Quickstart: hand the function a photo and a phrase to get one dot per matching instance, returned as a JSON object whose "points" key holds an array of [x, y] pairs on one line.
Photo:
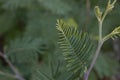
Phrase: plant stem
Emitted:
{"points": [[16, 72], [100, 43], [94, 60], [101, 40], [100, 31]]}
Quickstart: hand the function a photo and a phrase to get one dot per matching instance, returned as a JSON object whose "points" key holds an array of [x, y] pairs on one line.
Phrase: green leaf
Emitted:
{"points": [[24, 49], [49, 71], [114, 34], [98, 13], [76, 47]]}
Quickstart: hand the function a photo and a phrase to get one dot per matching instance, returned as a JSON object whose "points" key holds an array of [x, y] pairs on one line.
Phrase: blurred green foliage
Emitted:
{"points": [[28, 30]]}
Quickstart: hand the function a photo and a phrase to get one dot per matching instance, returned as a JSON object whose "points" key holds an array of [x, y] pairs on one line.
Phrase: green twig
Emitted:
{"points": [[16, 72]]}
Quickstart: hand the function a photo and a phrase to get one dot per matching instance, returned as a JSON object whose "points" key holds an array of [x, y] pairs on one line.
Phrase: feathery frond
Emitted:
{"points": [[76, 47], [24, 49], [51, 71], [114, 34]]}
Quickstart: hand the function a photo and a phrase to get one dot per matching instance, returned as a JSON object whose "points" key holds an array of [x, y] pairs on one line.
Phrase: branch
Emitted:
{"points": [[16, 72], [101, 16], [94, 60]]}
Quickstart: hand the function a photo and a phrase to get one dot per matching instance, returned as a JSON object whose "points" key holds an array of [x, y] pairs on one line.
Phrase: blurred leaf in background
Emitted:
{"points": [[28, 36]]}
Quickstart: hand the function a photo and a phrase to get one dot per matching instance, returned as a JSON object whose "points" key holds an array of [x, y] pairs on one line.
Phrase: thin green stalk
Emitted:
{"points": [[94, 60], [16, 72], [100, 43], [100, 31], [101, 18]]}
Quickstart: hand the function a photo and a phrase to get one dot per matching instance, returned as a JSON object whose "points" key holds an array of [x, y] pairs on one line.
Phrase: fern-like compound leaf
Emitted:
{"points": [[114, 34], [76, 47], [24, 50]]}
